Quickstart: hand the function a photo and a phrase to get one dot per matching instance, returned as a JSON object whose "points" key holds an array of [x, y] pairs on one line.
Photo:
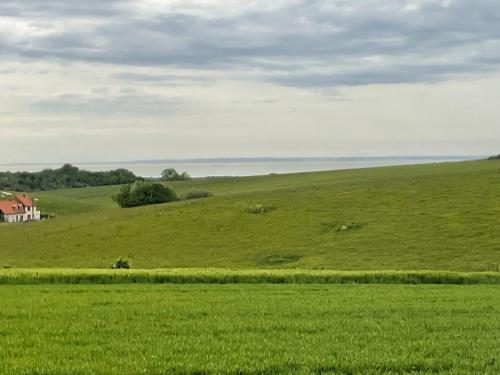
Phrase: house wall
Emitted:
{"points": [[31, 214], [18, 218], [12, 218], [35, 214]]}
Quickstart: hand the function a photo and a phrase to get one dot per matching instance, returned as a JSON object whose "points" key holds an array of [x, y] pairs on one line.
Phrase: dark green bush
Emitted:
{"points": [[195, 194], [46, 216], [144, 193], [121, 263]]}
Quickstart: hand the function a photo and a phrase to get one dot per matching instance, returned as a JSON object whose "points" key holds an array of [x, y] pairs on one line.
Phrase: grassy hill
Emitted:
{"points": [[438, 216]]}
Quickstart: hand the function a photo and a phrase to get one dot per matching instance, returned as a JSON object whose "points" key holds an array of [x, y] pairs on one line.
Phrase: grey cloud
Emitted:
{"points": [[170, 79], [434, 42], [99, 101], [393, 75], [57, 8]]}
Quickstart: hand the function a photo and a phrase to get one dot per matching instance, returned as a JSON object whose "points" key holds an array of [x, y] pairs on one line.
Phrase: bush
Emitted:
{"points": [[259, 208], [121, 263], [170, 174], [495, 157], [46, 216], [195, 194], [143, 193]]}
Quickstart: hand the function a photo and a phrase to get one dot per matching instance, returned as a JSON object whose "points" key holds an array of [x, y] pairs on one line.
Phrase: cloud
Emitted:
{"points": [[308, 43], [101, 101], [170, 79], [54, 8]]}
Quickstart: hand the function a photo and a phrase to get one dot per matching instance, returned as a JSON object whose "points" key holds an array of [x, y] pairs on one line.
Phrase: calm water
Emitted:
{"points": [[244, 167]]}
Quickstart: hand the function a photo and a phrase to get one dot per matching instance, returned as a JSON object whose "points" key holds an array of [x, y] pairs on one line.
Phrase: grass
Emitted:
{"points": [[424, 217], [227, 276], [249, 329], [327, 237]]}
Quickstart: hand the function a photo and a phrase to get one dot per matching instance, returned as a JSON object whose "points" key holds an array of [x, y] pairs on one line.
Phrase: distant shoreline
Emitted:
{"points": [[256, 160], [240, 167]]}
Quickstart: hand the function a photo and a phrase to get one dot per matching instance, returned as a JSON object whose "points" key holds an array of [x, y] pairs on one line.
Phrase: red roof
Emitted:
{"points": [[16, 205], [25, 200], [11, 207]]}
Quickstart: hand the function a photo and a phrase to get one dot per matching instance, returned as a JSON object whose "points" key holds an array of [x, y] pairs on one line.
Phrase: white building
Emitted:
{"points": [[18, 209]]}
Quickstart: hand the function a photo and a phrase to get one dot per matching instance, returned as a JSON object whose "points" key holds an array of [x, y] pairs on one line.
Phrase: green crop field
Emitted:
{"points": [[249, 329], [434, 217], [33, 276]]}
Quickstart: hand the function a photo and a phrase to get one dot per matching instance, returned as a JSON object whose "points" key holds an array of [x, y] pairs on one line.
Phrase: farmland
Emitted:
{"points": [[328, 278], [32, 276], [249, 329], [422, 217]]}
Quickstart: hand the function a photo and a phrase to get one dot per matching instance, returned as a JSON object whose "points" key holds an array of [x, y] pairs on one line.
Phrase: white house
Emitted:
{"points": [[18, 209]]}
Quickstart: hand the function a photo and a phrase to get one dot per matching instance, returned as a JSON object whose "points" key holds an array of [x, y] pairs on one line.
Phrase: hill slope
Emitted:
{"points": [[438, 216]]}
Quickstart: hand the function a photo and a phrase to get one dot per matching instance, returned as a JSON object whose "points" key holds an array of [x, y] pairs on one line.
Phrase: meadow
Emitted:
{"points": [[249, 329], [422, 217]]}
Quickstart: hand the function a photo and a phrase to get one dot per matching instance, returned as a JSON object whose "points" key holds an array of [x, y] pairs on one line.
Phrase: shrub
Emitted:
{"points": [[195, 194], [46, 216], [121, 263], [259, 208], [143, 193]]}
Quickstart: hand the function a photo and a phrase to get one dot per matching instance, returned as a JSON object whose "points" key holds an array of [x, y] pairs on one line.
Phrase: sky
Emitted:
{"points": [[152, 79]]}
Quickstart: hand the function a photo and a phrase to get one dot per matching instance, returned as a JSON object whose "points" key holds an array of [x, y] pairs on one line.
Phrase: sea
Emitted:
{"points": [[242, 166]]}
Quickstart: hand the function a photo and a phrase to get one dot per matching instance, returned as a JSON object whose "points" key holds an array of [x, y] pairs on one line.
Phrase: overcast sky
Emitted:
{"points": [[112, 80]]}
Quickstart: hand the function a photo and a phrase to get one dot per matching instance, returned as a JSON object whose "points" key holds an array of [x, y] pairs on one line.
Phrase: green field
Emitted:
{"points": [[289, 297], [434, 217], [249, 329]]}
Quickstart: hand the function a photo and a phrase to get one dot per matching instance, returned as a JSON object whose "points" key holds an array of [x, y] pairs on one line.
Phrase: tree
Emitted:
{"points": [[143, 193], [170, 174]]}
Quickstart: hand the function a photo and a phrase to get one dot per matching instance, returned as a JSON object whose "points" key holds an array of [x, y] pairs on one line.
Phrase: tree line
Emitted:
{"points": [[67, 176]]}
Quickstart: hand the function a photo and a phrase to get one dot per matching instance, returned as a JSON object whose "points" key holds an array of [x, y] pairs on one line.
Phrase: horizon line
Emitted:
{"points": [[246, 159]]}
